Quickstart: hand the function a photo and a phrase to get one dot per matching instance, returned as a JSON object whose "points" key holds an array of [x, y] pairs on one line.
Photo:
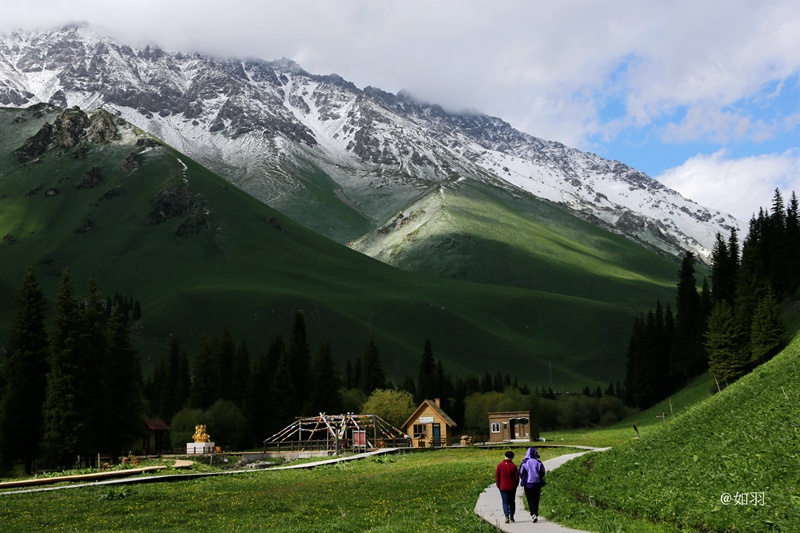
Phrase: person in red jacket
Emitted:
{"points": [[506, 477]]}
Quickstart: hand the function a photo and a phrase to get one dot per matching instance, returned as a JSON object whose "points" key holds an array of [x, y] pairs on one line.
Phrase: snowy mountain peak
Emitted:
{"points": [[290, 137]]}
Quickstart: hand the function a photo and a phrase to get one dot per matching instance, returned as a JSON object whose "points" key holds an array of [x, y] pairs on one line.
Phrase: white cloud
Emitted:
{"points": [[710, 123], [739, 186], [692, 69]]}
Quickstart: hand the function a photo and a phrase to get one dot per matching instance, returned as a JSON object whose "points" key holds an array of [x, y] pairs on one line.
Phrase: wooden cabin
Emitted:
{"points": [[507, 426], [429, 426]]}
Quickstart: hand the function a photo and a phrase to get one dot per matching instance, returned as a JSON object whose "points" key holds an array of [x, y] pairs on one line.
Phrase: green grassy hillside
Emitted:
{"points": [[729, 463], [468, 230], [200, 254]]}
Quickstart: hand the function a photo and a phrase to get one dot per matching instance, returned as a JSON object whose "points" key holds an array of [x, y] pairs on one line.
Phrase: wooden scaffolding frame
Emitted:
{"points": [[335, 432]]}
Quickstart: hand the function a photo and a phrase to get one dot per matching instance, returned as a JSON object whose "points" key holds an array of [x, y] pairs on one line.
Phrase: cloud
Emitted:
{"points": [[710, 123], [739, 186], [582, 72]]}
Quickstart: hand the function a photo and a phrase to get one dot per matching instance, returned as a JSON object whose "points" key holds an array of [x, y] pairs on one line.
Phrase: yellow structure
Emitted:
{"points": [[200, 434], [429, 426]]}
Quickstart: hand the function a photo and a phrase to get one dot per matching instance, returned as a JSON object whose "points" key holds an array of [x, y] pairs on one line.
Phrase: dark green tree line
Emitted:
{"points": [[73, 391], [735, 324]]}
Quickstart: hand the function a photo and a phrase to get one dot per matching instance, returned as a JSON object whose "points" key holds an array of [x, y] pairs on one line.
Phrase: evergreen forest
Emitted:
{"points": [[732, 324]]}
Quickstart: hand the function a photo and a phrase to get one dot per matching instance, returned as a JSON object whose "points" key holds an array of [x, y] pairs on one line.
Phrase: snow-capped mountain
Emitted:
{"points": [[342, 160]]}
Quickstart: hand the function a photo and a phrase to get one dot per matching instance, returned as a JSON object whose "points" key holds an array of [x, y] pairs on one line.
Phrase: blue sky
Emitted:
{"points": [[700, 94]]}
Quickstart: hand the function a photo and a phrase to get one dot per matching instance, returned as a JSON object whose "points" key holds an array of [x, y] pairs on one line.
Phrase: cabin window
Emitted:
{"points": [[419, 431], [495, 427]]}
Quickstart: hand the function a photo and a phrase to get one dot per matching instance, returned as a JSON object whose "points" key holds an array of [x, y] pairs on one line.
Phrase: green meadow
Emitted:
{"points": [[409, 492]]}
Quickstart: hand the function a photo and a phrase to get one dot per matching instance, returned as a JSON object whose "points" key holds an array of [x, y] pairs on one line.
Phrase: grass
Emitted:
{"points": [[431, 490], [255, 268], [740, 444]]}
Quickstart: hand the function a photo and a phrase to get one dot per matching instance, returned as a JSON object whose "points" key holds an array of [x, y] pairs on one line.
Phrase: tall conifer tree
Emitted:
{"points": [[373, 376], [767, 330], [240, 373], [324, 395], [224, 355], [427, 374], [299, 360], [21, 421], [93, 374], [688, 355], [204, 385], [258, 407], [727, 355], [123, 394], [64, 419]]}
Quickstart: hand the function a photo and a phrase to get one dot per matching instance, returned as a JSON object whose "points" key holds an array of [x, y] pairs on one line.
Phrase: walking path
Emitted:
{"points": [[490, 507]]}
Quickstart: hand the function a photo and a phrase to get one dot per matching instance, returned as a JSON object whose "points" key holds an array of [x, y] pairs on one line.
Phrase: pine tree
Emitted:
{"points": [[427, 374], [634, 364], [767, 330], [727, 356], [240, 373], [688, 358], [720, 276], [792, 251], [93, 375], [324, 395], [752, 282], [124, 421], [299, 360], [373, 376], [21, 421], [154, 386], [258, 407], [349, 382], [168, 403], [776, 245], [444, 386], [486, 382], [183, 385], [205, 378], [408, 385], [224, 355], [64, 419], [284, 396]]}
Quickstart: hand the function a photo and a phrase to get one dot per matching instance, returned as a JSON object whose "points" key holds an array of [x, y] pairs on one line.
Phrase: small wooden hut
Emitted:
{"points": [[429, 426], [507, 426]]}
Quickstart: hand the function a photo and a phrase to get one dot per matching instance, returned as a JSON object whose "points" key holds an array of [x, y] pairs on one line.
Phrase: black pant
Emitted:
{"points": [[532, 495]]}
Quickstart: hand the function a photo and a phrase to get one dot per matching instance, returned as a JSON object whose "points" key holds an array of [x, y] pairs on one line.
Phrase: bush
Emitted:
{"points": [[182, 426]]}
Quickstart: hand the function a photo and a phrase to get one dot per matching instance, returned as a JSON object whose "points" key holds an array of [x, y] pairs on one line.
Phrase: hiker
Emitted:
{"points": [[531, 478], [506, 477]]}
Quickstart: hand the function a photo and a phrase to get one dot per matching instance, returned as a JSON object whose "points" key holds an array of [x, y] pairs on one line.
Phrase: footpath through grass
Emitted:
{"points": [[422, 491]]}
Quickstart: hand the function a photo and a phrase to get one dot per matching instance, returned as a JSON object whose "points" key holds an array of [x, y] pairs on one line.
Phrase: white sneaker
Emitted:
{"points": [[534, 518]]}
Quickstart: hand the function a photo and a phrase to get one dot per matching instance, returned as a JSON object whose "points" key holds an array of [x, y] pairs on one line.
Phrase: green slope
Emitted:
{"points": [[743, 441], [250, 267], [474, 231]]}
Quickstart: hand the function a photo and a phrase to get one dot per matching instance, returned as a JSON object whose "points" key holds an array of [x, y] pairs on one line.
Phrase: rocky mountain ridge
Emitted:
{"points": [[341, 160]]}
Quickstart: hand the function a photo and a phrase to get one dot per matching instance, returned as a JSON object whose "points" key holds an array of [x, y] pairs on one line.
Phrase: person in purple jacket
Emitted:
{"points": [[531, 478]]}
